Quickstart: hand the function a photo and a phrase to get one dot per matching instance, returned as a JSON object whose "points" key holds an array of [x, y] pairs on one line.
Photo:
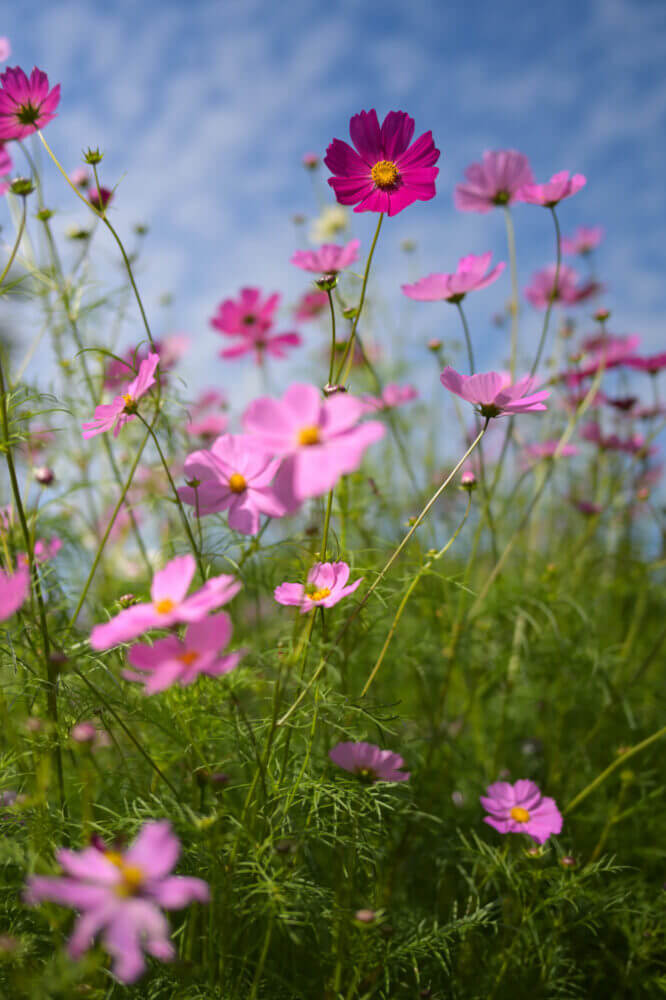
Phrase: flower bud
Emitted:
{"points": [[44, 475], [434, 345], [44, 214], [77, 233], [468, 481], [93, 156], [298, 219], [127, 600], [408, 246], [22, 186], [568, 861], [310, 161], [365, 916], [140, 229], [331, 390], [601, 315], [327, 282]]}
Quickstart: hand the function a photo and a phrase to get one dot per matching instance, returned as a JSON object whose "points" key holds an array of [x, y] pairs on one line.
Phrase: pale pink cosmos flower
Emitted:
{"points": [[330, 258], [119, 895], [89, 732], [80, 177], [170, 349], [568, 291], [613, 442], [392, 395], [325, 587], [584, 240], [168, 605], [469, 276], [318, 439], [5, 48], [123, 408], [521, 808], [205, 424], [234, 475], [174, 661], [652, 364], [26, 104], [43, 551], [494, 181], [14, 588], [369, 762], [310, 305], [493, 392], [560, 186], [261, 344], [547, 449]]}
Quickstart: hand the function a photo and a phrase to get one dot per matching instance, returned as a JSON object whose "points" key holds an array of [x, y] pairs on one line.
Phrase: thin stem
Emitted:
{"points": [[468, 339], [17, 242], [350, 343], [511, 240], [618, 762], [553, 294], [332, 362]]}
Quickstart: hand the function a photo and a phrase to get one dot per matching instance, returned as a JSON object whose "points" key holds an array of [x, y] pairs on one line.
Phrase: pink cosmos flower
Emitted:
{"points": [[568, 291], [204, 424], [584, 240], [89, 732], [546, 449], [614, 343], [392, 395], [651, 364], [369, 762], [5, 160], [123, 408], [310, 160], [330, 258], [235, 476], [521, 808], [310, 305], [5, 49], [325, 587], [26, 105], [14, 589], [249, 312], [384, 173], [602, 352], [168, 605], [560, 186], [174, 661], [119, 894], [100, 197], [318, 439], [42, 551], [469, 276], [612, 442], [170, 349], [80, 177], [262, 344], [494, 394], [495, 181]]}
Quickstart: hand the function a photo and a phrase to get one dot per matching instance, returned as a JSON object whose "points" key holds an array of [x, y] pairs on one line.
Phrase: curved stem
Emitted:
{"points": [[468, 339], [618, 762], [16, 243], [553, 294], [350, 343], [511, 240]]}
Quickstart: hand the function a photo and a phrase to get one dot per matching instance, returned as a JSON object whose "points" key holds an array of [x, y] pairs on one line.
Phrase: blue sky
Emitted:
{"points": [[204, 110]]}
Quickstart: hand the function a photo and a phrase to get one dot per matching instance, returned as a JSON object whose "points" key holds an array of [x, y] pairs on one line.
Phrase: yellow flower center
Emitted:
{"points": [[130, 403], [164, 606], [308, 435], [366, 774], [237, 483], [132, 876], [188, 657], [319, 595], [385, 174], [519, 814]]}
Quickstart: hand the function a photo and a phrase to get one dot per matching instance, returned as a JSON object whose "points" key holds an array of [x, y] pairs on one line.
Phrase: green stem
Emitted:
{"points": [[511, 240], [618, 762], [468, 339], [350, 343], [332, 362], [16, 243], [553, 294]]}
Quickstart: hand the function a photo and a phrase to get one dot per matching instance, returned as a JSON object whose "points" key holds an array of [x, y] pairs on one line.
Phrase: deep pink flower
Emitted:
{"points": [[203, 423], [521, 808], [5, 49], [384, 173], [392, 395], [318, 439], [330, 258], [123, 408], [546, 449], [625, 404], [100, 197], [586, 506], [168, 605], [174, 661], [261, 344], [494, 394], [494, 181], [583, 241], [42, 551], [369, 762], [326, 585], [568, 291], [14, 589], [651, 364], [235, 476], [560, 186], [612, 442], [119, 894], [170, 349], [469, 276], [250, 312], [310, 305], [26, 105]]}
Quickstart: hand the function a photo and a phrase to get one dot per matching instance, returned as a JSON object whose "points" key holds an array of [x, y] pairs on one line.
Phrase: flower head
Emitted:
{"points": [[14, 589], [5, 48], [168, 605], [326, 586], [369, 762], [330, 223], [567, 291], [584, 240], [384, 173], [521, 808], [469, 276], [651, 364], [100, 197], [123, 408], [42, 551], [328, 259], [494, 181], [547, 449], [310, 305], [80, 177], [392, 395], [26, 104], [250, 318], [119, 895], [632, 445], [493, 392], [550, 194]]}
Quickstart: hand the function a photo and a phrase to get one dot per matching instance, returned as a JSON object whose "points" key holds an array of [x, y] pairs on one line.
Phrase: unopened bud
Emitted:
{"points": [[44, 475], [434, 345], [22, 186], [350, 312], [310, 161], [77, 233], [298, 219], [408, 246], [365, 916], [127, 600], [331, 390], [327, 282], [93, 156], [140, 229], [601, 315], [468, 481], [44, 214], [568, 861]]}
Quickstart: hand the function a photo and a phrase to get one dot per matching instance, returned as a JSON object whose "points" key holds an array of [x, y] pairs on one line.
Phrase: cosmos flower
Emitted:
{"points": [[613, 442], [495, 181], [328, 259], [42, 551], [26, 104], [326, 586], [250, 312], [547, 449], [80, 177], [5, 168], [330, 223], [469, 276], [262, 344], [586, 506], [100, 197], [548, 195], [204, 424], [119, 895], [493, 392], [392, 395], [123, 408], [14, 589], [652, 364], [384, 173], [170, 349], [168, 605], [369, 762], [584, 240], [568, 290], [521, 808], [310, 305]]}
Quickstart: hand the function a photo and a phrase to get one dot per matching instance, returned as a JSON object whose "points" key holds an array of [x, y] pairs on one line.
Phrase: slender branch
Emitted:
{"points": [[553, 295], [350, 343], [511, 240], [17, 243], [618, 762]]}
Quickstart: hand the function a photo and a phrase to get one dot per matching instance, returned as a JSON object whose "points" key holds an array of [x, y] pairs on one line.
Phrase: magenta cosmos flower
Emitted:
{"points": [[369, 762], [651, 364], [318, 439], [521, 808], [328, 259], [493, 392], [235, 476], [613, 442], [547, 449], [14, 589], [206, 421], [494, 181], [249, 312], [469, 276], [584, 240], [567, 292], [310, 305], [327, 584], [123, 408], [174, 661], [560, 186], [119, 895], [168, 605], [26, 104], [100, 197], [384, 173]]}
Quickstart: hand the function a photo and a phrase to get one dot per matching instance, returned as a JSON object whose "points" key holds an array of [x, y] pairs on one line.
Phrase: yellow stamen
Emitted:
{"points": [[519, 814], [308, 435], [189, 657], [237, 483], [128, 399], [319, 595], [385, 174], [164, 606], [132, 876]]}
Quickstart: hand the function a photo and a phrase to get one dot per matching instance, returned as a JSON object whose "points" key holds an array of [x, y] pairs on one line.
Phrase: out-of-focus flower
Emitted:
{"points": [[384, 173], [604, 352], [493, 392], [89, 732], [26, 104], [521, 808], [310, 305], [80, 177], [14, 589], [310, 161], [369, 762], [469, 276], [44, 475], [42, 551], [584, 240], [392, 395], [652, 364], [330, 223], [326, 585], [5, 48], [250, 318], [547, 449], [586, 506], [100, 197], [170, 349], [568, 291], [612, 442], [468, 481], [124, 406], [560, 186], [494, 181], [328, 259]]}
